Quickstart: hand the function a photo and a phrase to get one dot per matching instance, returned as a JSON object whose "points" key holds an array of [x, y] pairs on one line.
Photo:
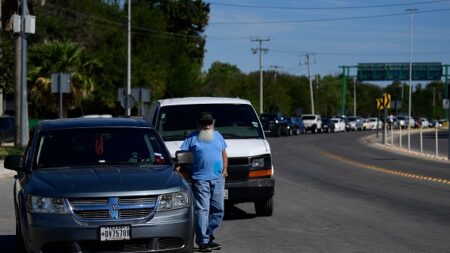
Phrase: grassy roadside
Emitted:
{"points": [[9, 150]]}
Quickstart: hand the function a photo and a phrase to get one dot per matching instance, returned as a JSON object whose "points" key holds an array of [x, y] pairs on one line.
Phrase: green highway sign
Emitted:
{"points": [[399, 71]]}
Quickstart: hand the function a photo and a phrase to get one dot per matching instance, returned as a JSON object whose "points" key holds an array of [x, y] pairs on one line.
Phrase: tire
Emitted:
{"points": [[264, 207], [278, 133]]}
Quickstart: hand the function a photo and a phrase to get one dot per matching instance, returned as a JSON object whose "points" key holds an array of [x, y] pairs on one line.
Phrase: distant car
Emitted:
{"points": [[100, 185], [295, 126], [424, 123], [274, 124], [400, 122], [354, 123], [339, 124], [374, 123], [313, 122], [435, 123], [7, 129], [328, 126]]}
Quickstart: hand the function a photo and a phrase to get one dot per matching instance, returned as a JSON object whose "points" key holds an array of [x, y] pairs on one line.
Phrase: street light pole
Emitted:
{"points": [[411, 12]]}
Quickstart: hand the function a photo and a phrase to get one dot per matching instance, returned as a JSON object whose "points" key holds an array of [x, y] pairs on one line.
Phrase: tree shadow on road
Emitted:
{"points": [[8, 243], [234, 213]]}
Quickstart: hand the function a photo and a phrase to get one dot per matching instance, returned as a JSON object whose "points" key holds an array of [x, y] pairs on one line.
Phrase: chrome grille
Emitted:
{"points": [[113, 208], [93, 214], [137, 200], [134, 213]]}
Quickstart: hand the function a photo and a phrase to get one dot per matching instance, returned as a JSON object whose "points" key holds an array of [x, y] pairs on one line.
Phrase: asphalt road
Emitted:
{"points": [[334, 193]]}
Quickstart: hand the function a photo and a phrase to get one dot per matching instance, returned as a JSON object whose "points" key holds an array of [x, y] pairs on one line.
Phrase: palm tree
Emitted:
{"points": [[54, 57]]}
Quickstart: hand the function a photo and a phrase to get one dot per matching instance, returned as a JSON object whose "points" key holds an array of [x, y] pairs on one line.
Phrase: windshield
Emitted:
{"points": [[97, 146], [233, 121]]}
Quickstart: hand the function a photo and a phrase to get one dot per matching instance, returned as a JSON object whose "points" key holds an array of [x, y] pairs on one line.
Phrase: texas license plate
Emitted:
{"points": [[115, 233], [225, 194]]}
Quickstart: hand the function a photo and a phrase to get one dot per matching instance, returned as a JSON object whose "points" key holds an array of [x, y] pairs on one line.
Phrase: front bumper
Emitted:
{"points": [[169, 231], [250, 190]]}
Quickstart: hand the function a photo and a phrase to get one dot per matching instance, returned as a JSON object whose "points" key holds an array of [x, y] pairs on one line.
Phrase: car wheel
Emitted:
{"points": [[278, 133], [264, 207]]}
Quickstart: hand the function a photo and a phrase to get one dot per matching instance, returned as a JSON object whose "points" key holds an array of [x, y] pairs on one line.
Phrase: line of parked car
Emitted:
{"points": [[276, 124]]}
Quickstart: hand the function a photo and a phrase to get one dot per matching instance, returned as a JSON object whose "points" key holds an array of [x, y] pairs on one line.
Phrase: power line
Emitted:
{"points": [[323, 19], [361, 54], [99, 21], [325, 8]]}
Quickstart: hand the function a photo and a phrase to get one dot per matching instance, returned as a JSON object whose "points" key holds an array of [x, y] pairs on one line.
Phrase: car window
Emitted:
{"points": [[233, 121], [98, 146]]}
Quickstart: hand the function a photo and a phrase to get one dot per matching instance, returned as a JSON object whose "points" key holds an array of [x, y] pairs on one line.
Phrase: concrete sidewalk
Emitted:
{"points": [[4, 173]]}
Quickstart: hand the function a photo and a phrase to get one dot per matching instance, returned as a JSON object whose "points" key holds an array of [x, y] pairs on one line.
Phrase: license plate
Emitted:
{"points": [[115, 233], [225, 194]]}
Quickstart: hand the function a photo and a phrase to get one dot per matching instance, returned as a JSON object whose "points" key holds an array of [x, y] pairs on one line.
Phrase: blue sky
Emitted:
{"points": [[333, 32]]}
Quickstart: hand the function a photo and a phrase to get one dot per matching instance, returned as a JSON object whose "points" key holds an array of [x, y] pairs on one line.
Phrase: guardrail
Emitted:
{"points": [[395, 138]]}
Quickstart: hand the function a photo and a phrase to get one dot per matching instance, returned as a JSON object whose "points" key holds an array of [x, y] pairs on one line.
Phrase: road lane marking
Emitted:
{"points": [[387, 171]]}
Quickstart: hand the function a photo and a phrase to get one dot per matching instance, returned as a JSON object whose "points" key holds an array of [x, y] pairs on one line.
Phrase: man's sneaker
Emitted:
{"points": [[214, 246], [204, 248]]}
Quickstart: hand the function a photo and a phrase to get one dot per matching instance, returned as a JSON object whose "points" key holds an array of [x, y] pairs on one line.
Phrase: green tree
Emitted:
{"points": [[53, 57]]}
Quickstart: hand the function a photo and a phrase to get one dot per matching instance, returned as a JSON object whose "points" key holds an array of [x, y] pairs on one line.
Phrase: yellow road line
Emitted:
{"points": [[387, 171]]}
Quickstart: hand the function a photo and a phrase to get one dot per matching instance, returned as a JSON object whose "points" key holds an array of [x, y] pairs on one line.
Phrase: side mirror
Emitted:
{"points": [[14, 162], [184, 157]]}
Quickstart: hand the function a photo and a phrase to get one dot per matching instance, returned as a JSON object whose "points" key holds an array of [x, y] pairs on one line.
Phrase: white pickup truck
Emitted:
{"points": [[312, 122]]}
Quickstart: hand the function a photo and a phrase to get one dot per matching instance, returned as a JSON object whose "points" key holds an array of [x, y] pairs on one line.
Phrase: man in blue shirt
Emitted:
{"points": [[209, 170]]}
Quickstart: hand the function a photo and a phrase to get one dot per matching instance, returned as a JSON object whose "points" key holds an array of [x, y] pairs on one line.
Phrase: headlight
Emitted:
{"points": [[258, 162], [173, 201], [38, 204]]}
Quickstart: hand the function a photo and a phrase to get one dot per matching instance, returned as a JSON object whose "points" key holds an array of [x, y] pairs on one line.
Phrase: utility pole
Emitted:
{"points": [[311, 91], [23, 98], [128, 110], [255, 50], [275, 68]]}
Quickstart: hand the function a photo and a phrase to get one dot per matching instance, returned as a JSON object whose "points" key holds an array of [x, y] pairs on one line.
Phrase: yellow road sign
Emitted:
{"points": [[387, 100], [380, 104]]}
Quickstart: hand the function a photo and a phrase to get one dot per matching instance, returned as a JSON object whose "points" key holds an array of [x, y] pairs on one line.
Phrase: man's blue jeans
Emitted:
{"points": [[209, 208]]}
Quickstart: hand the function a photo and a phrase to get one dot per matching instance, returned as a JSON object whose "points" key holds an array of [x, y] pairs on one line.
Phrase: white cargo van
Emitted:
{"points": [[250, 168]]}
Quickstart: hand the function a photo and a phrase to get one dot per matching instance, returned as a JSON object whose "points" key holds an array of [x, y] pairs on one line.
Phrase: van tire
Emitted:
{"points": [[264, 207]]}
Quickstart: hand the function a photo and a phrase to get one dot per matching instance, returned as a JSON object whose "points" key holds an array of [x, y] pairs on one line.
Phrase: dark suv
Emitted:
{"points": [[100, 185], [274, 124]]}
